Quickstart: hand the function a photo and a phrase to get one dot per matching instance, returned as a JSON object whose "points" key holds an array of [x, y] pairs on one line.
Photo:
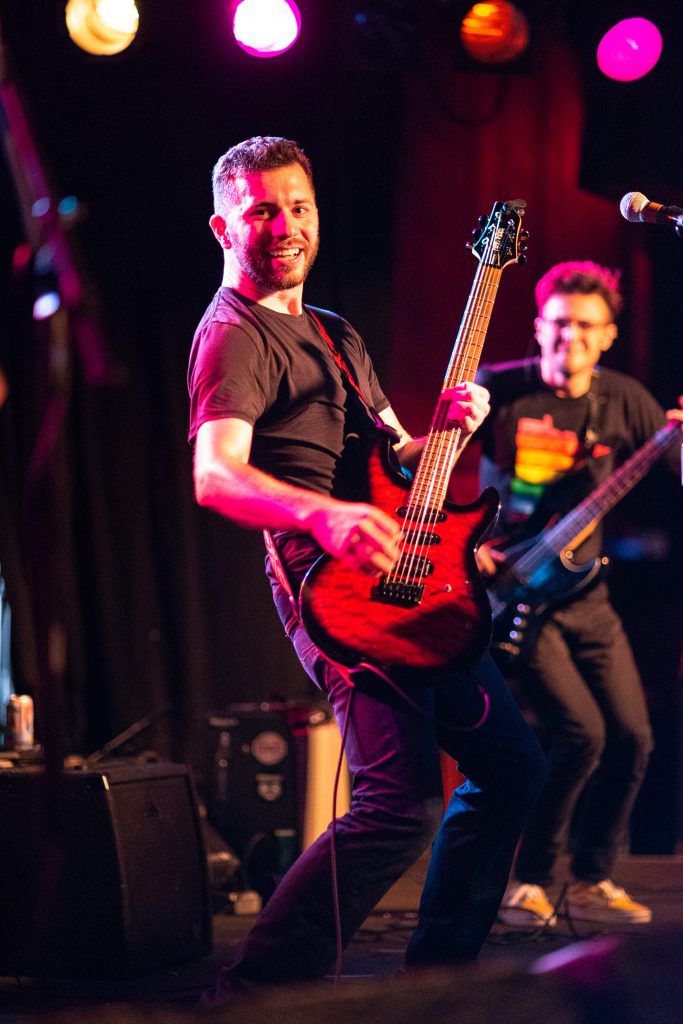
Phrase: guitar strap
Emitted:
{"points": [[595, 404], [350, 379], [355, 391], [279, 570]]}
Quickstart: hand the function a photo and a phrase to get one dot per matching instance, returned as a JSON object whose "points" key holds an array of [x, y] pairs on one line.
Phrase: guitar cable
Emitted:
{"points": [[333, 836], [364, 666], [334, 879]]}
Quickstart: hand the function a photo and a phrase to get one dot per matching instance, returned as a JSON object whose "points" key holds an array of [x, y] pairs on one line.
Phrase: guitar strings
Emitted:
{"points": [[442, 444], [610, 491]]}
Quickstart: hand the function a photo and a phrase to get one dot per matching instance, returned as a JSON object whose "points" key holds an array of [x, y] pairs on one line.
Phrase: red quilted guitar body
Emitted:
{"points": [[451, 624]]}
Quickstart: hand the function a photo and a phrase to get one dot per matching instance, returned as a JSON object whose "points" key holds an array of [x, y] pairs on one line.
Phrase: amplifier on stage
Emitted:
{"points": [[102, 871], [270, 781]]}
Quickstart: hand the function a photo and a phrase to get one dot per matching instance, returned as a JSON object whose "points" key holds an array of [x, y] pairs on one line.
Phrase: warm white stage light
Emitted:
{"points": [[102, 27]]}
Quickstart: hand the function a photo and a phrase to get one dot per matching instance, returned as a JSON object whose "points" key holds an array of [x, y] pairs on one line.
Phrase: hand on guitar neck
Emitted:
{"points": [[465, 406], [364, 537]]}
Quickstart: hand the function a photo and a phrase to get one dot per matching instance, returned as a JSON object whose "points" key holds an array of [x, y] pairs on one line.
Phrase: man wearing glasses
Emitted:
{"points": [[558, 427]]}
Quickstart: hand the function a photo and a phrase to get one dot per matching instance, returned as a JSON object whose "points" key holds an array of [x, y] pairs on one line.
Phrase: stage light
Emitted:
{"points": [[630, 49], [266, 28], [494, 33], [102, 27], [46, 305]]}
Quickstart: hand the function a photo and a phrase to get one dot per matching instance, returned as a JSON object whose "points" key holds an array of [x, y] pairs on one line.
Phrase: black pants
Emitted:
{"points": [[583, 685], [396, 811]]}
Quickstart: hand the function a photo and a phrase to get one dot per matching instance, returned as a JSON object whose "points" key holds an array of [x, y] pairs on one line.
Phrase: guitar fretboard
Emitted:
{"points": [[444, 442]]}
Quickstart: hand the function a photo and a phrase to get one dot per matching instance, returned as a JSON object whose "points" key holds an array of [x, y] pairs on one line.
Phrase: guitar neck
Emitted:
{"points": [[597, 504], [444, 442]]}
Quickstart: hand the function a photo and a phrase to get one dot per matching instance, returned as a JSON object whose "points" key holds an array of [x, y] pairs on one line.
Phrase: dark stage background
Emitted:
{"points": [[140, 600]]}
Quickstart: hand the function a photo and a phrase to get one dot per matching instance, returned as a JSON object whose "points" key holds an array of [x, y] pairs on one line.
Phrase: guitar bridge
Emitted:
{"points": [[400, 593]]}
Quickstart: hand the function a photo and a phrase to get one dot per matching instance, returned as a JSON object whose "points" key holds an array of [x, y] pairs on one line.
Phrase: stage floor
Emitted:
{"points": [[373, 958]]}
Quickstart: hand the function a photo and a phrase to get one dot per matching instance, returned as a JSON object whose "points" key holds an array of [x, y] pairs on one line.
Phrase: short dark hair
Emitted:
{"points": [[260, 153], [582, 277]]}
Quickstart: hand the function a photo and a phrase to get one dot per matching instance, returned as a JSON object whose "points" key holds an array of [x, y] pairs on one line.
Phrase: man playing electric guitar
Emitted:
{"points": [[559, 423], [282, 442]]}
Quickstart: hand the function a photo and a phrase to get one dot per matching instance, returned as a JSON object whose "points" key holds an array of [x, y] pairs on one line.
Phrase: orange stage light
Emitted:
{"points": [[494, 33]]}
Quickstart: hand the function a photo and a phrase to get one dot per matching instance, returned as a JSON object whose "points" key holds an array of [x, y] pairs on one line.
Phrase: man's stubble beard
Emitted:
{"points": [[258, 270]]}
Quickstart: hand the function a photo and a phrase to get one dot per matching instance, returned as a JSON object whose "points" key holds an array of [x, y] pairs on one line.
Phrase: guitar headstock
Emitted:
{"points": [[499, 239]]}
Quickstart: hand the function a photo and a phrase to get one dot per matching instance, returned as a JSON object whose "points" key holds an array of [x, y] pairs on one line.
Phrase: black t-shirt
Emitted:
{"points": [[276, 372], [544, 453]]}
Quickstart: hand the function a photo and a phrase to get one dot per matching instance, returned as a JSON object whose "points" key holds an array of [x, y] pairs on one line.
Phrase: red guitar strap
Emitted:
{"points": [[351, 381], [279, 570], [340, 361], [273, 554]]}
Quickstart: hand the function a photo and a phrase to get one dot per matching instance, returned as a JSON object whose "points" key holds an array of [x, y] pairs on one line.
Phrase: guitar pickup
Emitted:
{"points": [[422, 538], [413, 565], [396, 592], [421, 514]]}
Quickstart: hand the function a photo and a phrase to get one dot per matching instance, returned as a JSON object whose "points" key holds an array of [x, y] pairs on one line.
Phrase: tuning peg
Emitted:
{"points": [[483, 221], [524, 234], [468, 245], [521, 260]]}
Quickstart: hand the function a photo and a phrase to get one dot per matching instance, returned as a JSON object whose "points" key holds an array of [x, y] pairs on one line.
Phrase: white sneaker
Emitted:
{"points": [[605, 903], [527, 906]]}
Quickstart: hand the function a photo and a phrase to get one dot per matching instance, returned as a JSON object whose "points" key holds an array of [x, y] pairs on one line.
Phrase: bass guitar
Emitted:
{"points": [[431, 612], [539, 573]]}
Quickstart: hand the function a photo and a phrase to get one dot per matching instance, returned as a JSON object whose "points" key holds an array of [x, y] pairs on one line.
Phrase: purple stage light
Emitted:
{"points": [[629, 49]]}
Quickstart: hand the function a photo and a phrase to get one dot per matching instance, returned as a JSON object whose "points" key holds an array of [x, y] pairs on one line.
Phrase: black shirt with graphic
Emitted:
{"points": [[544, 453]]}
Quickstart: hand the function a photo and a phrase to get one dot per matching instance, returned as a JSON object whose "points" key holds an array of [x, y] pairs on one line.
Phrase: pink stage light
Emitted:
{"points": [[629, 49], [266, 28]]}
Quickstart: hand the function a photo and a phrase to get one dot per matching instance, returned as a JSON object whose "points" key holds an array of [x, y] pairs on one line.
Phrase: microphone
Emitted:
{"points": [[637, 208]]}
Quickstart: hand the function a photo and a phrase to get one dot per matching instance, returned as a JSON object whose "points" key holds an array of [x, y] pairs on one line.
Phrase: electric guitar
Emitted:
{"points": [[431, 612], [539, 573]]}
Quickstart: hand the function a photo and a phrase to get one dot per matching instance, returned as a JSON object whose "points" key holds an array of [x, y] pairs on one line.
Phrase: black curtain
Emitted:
{"points": [[158, 603]]}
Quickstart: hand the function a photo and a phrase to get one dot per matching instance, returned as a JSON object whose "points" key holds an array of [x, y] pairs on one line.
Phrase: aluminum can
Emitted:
{"points": [[19, 723]]}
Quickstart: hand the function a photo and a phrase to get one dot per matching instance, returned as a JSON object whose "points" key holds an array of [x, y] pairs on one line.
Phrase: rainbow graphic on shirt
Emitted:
{"points": [[544, 455]]}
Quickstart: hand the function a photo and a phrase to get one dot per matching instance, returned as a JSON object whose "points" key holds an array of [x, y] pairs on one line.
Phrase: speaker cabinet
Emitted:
{"points": [[252, 789], [270, 779], [102, 872]]}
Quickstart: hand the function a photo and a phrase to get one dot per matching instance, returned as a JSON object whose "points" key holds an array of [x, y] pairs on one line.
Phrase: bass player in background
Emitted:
{"points": [[558, 427], [282, 442]]}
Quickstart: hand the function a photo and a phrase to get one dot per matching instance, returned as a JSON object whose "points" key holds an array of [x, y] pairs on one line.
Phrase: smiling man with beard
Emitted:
{"points": [[282, 441]]}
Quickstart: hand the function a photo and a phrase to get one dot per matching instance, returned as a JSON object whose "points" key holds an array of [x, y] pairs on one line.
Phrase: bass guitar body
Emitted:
{"points": [[432, 614], [539, 573], [518, 606]]}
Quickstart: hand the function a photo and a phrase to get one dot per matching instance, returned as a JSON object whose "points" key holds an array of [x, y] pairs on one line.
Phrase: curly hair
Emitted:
{"points": [[260, 153], [584, 278]]}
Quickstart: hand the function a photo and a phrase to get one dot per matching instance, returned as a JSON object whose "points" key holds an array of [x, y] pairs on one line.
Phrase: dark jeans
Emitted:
{"points": [[584, 688], [396, 810]]}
